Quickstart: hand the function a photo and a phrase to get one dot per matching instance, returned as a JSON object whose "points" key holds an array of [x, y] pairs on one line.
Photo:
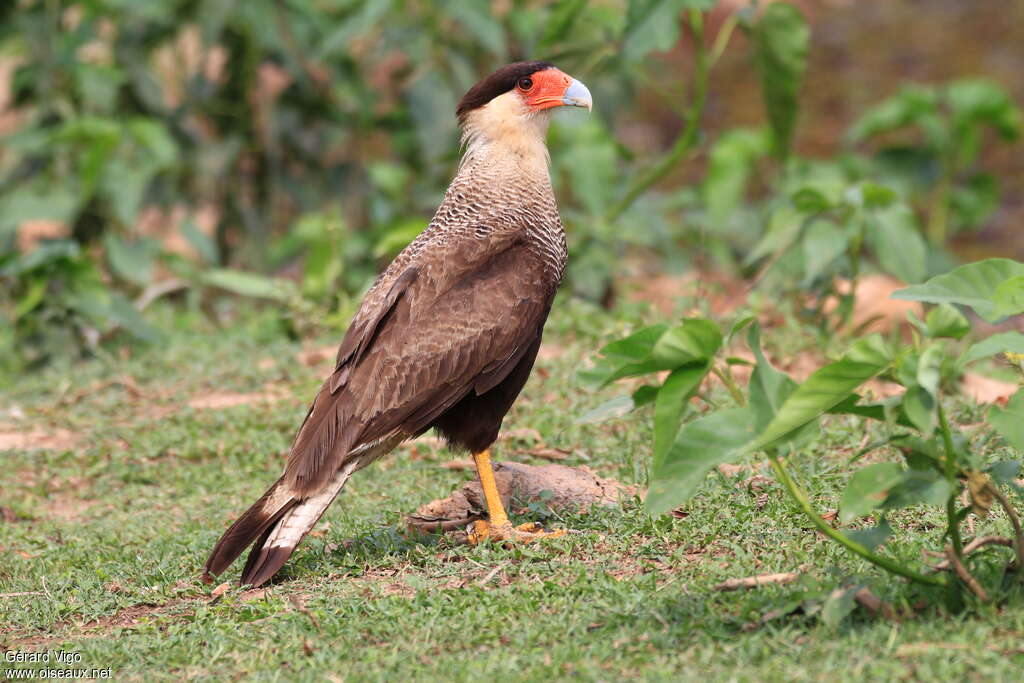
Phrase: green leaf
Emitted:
{"points": [[609, 410], [204, 246], [1009, 421], [561, 20], [810, 199], [919, 406], [730, 163], [871, 537], [1009, 297], [694, 340], [155, 138], [131, 261], [973, 284], [768, 387], [824, 389], [246, 284], [838, 605], [946, 321], [781, 40], [479, 22], [670, 404], [823, 243], [130, 320], [929, 367], [124, 186], [783, 229], [35, 290], [868, 489], [977, 101], [895, 236], [1003, 342], [910, 105], [1005, 471], [49, 201], [919, 486], [653, 25], [701, 445], [624, 357]]}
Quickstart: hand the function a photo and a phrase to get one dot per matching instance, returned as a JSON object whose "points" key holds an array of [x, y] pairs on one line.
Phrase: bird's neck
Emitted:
{"points": [[504, 135]]}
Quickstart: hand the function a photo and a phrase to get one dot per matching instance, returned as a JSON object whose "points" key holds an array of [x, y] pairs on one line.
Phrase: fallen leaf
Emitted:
{"points": [[985, 389]]}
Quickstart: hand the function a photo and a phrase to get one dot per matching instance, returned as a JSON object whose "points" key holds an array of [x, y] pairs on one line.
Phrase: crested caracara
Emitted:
{"points": [[447, 335]]}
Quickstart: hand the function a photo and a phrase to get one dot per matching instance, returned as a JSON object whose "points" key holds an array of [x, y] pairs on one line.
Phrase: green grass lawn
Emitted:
{"points": [[103, 538]]}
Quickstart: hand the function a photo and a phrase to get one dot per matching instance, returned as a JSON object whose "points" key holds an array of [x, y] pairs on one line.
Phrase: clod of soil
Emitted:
{"points": [[558, 486], [48, 439]]}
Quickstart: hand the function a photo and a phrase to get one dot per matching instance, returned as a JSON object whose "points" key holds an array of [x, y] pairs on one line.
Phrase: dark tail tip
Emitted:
{"points": [[254, 523], [264, 562]]}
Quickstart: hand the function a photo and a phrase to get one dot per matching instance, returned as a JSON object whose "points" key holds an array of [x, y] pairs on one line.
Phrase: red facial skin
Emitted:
{"points": [[546, 90]]}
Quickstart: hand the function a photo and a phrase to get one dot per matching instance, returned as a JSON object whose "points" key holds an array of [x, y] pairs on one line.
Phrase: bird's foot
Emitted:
{"points": [[482, 530]]}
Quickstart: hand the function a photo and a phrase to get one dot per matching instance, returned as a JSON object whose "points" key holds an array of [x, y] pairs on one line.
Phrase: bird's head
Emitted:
{"points": [[514, 103]]}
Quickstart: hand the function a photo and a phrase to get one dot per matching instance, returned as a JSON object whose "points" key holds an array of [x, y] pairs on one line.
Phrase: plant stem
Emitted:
{"points": [[964, 575], [730, 383], [689, 135], [885, 563], [953, 526], [1018, 535]]}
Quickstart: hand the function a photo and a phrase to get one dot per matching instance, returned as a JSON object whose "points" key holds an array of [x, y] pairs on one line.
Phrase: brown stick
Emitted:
{"points": [[974, 545], [1015, 521], [756, 581], [965, 575], [871, 602]]}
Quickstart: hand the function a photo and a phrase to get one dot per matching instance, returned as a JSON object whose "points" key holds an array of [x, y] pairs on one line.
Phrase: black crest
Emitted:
{"points": [[498, 83]]}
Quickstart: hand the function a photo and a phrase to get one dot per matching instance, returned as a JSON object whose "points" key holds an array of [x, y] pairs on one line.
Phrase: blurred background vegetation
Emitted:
{"points": [[194, 151]]}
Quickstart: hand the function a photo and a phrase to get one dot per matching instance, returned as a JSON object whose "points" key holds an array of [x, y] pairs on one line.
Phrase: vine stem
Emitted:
{"points": [[800, 496], [1018, 534], [953, 526], [689, 135], [730, 383]]}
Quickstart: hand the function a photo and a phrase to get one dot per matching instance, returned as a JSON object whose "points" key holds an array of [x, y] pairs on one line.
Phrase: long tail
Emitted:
{"points": [[278, 522]]}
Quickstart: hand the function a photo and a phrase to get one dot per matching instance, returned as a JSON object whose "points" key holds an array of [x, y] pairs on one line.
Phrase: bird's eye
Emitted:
{"points": [[525, 83]]}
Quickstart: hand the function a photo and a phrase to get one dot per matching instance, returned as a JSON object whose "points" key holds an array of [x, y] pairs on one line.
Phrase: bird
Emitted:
{"points": [[448, 333]]}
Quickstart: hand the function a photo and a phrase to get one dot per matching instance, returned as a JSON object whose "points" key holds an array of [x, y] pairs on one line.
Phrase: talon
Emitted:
{"points": [[482, 530]]}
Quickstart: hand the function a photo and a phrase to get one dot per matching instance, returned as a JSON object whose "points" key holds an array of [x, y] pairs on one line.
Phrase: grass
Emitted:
{"points": [[111, 530]]}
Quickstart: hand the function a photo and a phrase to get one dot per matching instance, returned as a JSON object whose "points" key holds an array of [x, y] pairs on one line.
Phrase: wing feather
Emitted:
{"points": [[455, 321]]}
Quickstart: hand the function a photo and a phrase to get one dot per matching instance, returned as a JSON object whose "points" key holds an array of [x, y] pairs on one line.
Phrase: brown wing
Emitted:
{"points": [[455, 319]]}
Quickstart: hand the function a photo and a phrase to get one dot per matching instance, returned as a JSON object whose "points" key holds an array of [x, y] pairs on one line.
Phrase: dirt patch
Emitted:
{"points": [[37, 439], [125, 618], [314, 357], [557, 486], [874, 310], [723, 293], [230, 399]]}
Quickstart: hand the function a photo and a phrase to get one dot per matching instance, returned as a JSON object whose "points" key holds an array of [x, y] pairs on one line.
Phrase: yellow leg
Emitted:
{"points": [[498, 527], [485, 471]]}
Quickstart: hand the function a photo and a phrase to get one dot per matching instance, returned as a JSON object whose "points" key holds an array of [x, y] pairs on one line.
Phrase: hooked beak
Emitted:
{"points": [[577, 95]]}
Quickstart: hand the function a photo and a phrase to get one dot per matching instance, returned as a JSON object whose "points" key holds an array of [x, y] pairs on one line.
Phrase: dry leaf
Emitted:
{"points": [[978, 484], [985, 389]]}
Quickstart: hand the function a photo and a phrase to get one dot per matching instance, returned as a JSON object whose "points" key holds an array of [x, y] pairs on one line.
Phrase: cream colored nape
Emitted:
{"points": [[507, 126]]}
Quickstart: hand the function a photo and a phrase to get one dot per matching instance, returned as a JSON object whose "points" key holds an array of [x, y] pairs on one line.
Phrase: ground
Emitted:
{"points": [[120, 473]]}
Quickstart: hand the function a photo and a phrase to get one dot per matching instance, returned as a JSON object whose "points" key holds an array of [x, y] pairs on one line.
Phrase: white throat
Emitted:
{"points": [[505, 128]]}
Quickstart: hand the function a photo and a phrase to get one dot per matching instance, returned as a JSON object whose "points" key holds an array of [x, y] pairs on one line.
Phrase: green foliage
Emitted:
{"points": [[993, 288], [782, 40], [938, 166], [777, 415]]}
